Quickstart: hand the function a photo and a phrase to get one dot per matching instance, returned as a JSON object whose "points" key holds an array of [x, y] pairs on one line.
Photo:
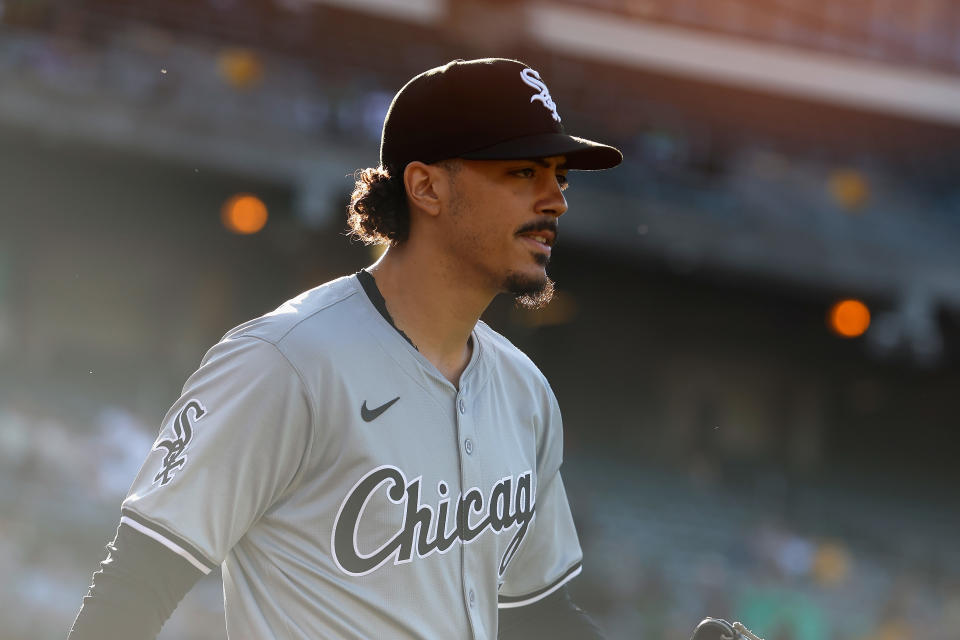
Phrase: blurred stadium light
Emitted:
{"points": [[241, 68], [244, 214], [849, 318]]}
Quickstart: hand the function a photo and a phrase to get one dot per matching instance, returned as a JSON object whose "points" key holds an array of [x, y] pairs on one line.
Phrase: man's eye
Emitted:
{"points": [[525, 173], [562, 181]]}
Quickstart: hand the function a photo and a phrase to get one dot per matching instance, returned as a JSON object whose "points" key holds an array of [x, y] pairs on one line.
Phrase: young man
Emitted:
{"points": [[370, 460]]}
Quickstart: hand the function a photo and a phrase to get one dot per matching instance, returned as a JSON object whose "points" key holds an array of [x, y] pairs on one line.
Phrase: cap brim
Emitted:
{"points": [[582, 154]]}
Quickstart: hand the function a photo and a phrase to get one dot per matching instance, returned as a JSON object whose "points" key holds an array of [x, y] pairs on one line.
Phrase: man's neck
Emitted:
{"points": [[431, 306]]}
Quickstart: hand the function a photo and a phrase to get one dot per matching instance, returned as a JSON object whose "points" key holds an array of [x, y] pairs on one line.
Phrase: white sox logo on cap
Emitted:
{"points": [[532, 79]]}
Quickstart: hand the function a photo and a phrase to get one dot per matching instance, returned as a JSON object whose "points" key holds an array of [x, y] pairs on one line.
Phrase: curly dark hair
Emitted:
{"points": [[378, 211]]}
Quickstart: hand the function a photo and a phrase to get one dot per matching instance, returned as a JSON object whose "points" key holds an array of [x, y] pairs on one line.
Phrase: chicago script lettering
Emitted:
{"points": [[425, 529]]}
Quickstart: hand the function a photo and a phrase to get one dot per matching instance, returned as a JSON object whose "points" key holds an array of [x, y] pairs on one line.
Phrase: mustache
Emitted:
{"points": [[548, 224]]}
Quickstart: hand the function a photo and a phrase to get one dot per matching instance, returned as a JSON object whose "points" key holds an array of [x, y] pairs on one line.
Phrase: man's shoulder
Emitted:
{"points": [[508, 357], [323, 310]]}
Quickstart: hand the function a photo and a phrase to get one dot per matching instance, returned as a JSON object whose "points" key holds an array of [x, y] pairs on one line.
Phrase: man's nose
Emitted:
{"points": [[553, 203]]}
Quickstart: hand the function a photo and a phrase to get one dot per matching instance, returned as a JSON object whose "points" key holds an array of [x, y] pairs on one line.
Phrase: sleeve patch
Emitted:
{"points": [[175, 448]]}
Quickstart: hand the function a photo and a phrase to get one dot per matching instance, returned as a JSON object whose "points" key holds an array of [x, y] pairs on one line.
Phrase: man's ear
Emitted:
{"points": [[427, 186]]}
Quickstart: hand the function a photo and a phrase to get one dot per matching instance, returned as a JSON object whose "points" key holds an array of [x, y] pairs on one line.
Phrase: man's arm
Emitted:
{"points": [[137, 588], [555, 617]]}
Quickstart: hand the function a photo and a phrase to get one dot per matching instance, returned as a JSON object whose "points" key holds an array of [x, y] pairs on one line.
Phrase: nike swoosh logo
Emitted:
{"points": [[369, 415]]}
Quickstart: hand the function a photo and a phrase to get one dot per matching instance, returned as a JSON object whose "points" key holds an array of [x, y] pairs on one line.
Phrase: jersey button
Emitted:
{"points": [[462, 405], [471, 597], [468, 446]]}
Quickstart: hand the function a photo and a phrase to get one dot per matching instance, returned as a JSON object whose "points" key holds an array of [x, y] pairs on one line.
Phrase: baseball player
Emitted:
{"points": [[370, 460]]}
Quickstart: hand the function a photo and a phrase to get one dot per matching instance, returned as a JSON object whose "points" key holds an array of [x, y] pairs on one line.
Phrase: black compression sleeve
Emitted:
{"points": [[555, 617], [136, 589]]}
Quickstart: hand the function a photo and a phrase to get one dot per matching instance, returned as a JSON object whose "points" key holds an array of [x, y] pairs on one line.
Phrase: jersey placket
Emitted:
{"points": [[470, 476]]}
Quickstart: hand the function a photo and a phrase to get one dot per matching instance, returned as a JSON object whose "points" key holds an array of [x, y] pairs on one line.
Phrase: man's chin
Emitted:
{"points": [[530, 291]]}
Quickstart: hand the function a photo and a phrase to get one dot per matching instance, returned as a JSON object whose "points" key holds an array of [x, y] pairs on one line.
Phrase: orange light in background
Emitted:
{"points": [[831, 564], [849, 318], [849, 189], [241, 68], [244, 214]]}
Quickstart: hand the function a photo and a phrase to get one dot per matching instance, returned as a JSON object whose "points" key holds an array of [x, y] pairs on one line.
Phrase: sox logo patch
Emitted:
{"points": [[174, 458], [532, 79]]}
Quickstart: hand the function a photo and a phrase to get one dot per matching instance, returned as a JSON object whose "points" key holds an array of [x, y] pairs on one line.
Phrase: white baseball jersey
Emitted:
{"points": [[349, 490]]}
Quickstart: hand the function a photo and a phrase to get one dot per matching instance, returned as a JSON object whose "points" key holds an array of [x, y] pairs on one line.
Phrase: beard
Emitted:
{"points": [[532, 299], [528, 292]]}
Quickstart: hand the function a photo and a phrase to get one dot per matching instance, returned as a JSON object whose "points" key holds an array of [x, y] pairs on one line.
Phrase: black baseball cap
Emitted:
{"points": [[486, 109]]}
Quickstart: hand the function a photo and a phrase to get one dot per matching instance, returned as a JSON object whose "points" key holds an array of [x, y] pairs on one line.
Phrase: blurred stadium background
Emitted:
{"points": [[739, 444]]}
